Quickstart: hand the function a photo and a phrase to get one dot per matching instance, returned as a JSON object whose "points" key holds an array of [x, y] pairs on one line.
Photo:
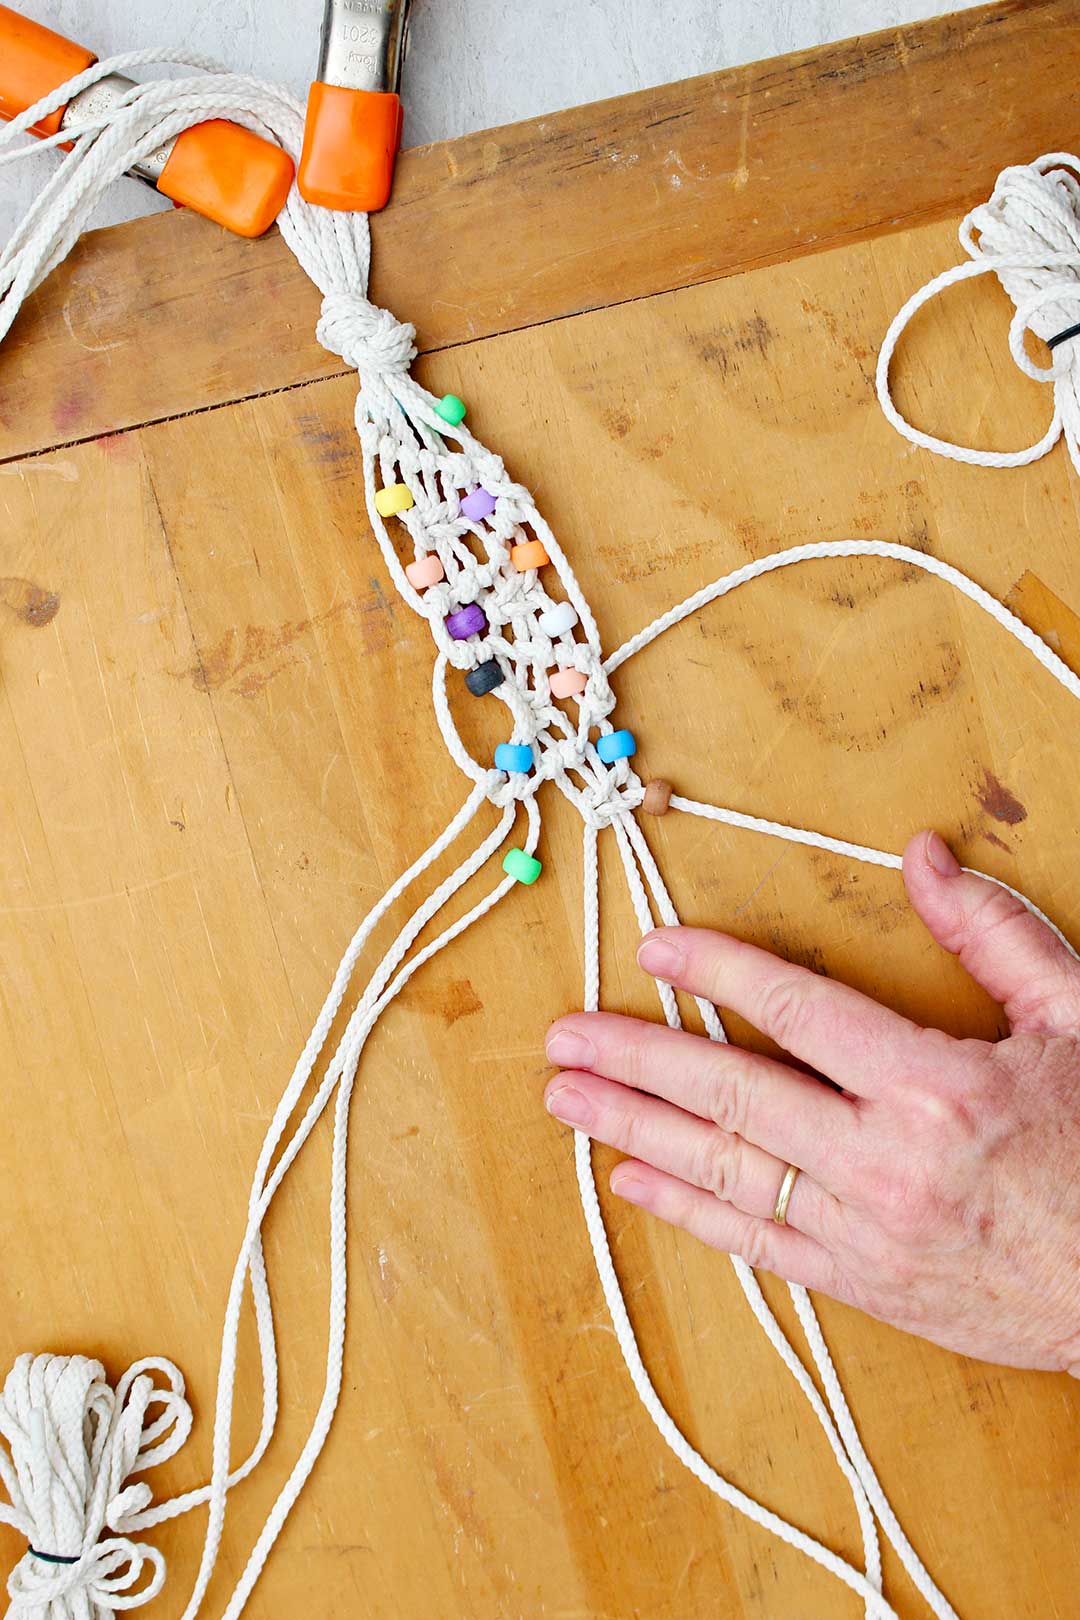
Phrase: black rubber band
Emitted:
{"points": [[1063, 337], [54, 1558]]}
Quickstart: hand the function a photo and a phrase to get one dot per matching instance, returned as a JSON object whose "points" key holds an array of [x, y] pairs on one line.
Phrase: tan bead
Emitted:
{"points": [[657, 798]]}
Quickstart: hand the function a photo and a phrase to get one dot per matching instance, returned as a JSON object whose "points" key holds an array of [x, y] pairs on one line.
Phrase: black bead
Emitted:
{"points": [[484, 678]]}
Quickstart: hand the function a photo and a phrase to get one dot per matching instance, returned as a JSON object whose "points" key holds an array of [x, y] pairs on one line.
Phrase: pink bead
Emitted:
{"points": [[425, 571], [567, 682]]}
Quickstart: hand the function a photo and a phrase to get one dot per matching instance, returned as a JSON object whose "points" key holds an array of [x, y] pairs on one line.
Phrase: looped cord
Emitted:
{"points": [[367, 338], [74, 1441], [1028, 234]]}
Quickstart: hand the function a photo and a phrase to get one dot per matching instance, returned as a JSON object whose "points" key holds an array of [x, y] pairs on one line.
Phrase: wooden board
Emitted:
{"points": [[218, 750]]}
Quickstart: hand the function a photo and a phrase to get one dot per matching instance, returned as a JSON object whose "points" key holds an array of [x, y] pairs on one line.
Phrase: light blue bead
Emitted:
{"points": [[616, 745], [513, 757]]}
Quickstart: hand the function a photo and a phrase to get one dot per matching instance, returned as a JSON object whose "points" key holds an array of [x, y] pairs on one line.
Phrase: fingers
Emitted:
{"points": [[855, 1041], [687, 1147], [790, 1115], [1012, 954], [761, 1243]]}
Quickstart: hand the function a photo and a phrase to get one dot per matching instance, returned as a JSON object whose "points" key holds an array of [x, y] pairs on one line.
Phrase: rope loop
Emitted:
{"points": [[1027, 233], [74, 1441]]}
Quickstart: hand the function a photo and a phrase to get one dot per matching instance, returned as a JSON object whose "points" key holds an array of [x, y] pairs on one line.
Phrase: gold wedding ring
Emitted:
{"points": [[783, 1197]]}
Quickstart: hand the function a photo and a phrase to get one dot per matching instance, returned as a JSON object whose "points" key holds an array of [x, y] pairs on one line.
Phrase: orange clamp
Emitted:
{"points": [[217, 168], [351, 138], [229, 174], [33, 61]]}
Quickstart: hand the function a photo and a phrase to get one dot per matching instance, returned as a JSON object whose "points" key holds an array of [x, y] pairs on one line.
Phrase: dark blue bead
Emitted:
{"points": [[484, 678]]}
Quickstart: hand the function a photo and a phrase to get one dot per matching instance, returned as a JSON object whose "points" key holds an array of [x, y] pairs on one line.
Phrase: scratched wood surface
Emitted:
{"points": [[218, 750], [557, 215]]}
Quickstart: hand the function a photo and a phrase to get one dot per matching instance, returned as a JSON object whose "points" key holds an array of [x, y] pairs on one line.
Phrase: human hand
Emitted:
{"points": [[939, 1189]]}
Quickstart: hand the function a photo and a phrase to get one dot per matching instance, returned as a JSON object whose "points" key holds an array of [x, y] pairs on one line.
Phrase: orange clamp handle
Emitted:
{"points": [[33, 61], [217, 168], [230, 174], [351, 138]]}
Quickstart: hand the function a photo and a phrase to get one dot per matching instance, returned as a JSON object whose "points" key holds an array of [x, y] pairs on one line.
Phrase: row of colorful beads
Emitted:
{"points": [[471, 620], [518, 758]]}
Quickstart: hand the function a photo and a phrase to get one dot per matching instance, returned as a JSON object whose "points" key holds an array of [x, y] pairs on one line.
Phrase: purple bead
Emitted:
{"points": [[467, 621], [480, 504]]}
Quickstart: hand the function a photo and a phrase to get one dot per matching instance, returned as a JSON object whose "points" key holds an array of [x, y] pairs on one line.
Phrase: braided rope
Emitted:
{"points": [[65, 1491]]}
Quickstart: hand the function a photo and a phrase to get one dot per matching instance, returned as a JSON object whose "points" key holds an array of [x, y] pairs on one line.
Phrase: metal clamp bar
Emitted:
{"points": [[363, 42], [101, 98]]}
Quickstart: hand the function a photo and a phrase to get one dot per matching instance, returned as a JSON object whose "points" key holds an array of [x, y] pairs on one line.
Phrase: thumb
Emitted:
{"points": [[1019, 958]]}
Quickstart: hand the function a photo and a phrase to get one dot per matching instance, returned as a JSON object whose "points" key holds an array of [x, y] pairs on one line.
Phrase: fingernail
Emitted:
{"points": [[940, 856], [628, 1187], [569, 1105], [660, 958], [570, 1050]]}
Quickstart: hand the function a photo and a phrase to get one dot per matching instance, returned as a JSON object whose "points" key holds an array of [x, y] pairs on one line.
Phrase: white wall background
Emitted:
{"points": [[472, 63]]}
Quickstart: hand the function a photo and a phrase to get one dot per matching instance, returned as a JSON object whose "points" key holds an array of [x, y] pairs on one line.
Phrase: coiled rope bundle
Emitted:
{"points": [[1027, 234], [74, 1442]]}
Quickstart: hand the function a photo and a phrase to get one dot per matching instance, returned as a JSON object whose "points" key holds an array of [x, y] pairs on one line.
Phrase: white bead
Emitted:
{"points": [[557, 620]]}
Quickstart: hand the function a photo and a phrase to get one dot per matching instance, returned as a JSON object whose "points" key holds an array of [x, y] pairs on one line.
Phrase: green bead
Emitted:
{"points": [[516, 864], [451, 409]]}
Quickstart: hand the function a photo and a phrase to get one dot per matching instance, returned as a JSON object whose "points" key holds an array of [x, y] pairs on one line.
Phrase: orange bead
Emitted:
{"points": [[567, 683], [530, 554]]}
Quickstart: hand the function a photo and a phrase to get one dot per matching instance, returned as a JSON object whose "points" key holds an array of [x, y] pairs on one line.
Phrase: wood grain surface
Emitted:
{"points": [[508, 227], [218, 750]]}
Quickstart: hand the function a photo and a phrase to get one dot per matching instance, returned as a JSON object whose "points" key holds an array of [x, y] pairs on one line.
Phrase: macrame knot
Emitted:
{"points": [[367, 338], [606, 800]]}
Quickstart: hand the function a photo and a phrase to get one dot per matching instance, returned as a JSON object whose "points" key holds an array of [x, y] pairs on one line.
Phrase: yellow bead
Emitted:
{"points": [[393, 499]]}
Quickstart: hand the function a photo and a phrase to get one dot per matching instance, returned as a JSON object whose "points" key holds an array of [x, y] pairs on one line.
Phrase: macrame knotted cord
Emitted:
{"points": [[69, 1495]]}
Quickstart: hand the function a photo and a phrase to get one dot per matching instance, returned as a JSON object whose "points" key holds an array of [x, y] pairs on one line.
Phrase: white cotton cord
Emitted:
{"points": [[876, 1606], [105, 148], [338, 1281], [74, 1444], [822, 550], [1028, 235], [590, 915], [780, 829], [665, 1424], [917, 1571], [339, 1077], [527, 635], [841, 846], [665, 911], [748, 1282]]}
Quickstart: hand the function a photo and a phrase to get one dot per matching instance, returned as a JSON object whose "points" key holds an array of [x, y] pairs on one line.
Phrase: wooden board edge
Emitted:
{"points": [[504, 229]]}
